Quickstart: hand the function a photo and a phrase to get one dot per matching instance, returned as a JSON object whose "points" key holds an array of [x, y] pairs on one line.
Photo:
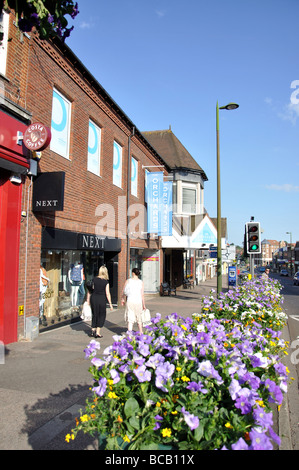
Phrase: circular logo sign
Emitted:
{"points": [[37, 137]]}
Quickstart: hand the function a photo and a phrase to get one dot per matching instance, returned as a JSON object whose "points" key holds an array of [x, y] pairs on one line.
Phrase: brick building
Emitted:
{"points": [[66, 206], [268, 248]]}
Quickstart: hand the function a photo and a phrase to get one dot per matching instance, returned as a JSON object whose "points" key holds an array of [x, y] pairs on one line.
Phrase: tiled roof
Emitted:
{"points": [[173, 151]]}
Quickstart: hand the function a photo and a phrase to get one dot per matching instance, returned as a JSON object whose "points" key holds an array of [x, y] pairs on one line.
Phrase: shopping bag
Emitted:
{"points": [[146, 317], [86, 312]]}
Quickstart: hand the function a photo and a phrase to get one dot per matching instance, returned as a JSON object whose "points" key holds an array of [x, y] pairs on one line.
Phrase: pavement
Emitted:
{"points": [[44, 383]]}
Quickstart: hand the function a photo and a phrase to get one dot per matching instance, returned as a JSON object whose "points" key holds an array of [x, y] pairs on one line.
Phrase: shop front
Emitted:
{"points": [[68, 261], [148, 263], [14, 164]]}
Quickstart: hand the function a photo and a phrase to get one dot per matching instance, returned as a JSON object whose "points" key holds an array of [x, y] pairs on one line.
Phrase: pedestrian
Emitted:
{"points": [[134, 293], [266, 273], [98, 299]]}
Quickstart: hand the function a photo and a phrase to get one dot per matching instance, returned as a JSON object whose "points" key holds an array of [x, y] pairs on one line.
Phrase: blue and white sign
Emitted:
{"points": [[117, 164], [206, 236], [232, 275], [134, 176], [60, 125], [154, 183], [159, 204], [94, 148], [166, 212]]}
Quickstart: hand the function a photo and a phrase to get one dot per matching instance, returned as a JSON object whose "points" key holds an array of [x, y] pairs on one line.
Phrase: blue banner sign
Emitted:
{"points": [[159, 204], [166, 212]]}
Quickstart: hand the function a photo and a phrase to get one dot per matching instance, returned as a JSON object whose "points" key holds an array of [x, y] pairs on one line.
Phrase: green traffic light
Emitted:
{"points": [[254, 247]]}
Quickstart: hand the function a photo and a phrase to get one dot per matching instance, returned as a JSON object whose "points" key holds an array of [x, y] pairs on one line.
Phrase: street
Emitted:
{"points": [[291, 308], [291, 303]]}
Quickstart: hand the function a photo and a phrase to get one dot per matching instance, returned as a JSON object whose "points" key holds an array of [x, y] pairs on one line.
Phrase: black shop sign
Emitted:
{"points": [[48, 192]]}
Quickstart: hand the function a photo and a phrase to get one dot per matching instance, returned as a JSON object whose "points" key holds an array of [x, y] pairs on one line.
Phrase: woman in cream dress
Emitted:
{"points": [[134, 292]]}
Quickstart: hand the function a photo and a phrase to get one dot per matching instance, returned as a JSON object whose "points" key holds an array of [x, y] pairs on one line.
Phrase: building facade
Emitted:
{"points": [[191, 250], [268, 248], [78, 200]]}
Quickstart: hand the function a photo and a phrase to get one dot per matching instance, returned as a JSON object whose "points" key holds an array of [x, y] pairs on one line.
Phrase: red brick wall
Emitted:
{"points": [[84, 191]]}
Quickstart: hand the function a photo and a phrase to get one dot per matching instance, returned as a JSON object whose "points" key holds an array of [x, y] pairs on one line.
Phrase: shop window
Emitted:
{"points": [[148, 262], [60, 124], [63, 279]]}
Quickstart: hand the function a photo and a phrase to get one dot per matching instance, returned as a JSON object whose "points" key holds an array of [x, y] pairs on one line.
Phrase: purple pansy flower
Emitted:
{"points": [[190, 419]]}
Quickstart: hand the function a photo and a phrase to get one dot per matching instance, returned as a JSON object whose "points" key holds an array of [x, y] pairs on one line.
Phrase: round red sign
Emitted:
{"points": [[37, 137]]}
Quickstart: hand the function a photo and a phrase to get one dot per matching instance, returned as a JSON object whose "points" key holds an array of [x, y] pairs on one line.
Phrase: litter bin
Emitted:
{"points": [[32, 328]]}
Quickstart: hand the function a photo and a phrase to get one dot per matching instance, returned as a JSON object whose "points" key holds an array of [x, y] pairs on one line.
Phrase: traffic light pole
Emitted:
{"points": [[251, 260]]}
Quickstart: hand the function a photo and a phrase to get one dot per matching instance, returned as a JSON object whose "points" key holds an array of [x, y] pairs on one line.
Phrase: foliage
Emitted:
{"points": [[47, 17], [192, 383]]}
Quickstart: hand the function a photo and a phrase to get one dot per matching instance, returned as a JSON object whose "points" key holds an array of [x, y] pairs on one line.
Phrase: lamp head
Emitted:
{"points": [[230, 106]]}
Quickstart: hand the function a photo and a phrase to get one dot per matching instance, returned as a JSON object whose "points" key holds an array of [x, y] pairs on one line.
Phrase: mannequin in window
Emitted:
{"points": [[44, 282], [75, 276]]}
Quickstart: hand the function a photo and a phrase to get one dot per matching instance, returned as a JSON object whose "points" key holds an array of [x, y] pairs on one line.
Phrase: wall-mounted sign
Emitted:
{"points": [[159, 204], [48, 192], [37, 137]]}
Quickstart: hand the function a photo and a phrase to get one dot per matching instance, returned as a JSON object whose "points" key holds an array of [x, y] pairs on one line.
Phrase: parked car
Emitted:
{"points": [[296, 279], [284, 272]]}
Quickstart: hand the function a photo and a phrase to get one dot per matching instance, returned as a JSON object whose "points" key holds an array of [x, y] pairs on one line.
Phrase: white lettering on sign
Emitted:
{"points": [[47, 203]]}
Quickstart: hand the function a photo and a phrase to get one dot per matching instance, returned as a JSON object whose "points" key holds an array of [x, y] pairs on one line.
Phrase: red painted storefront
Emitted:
{"points": [[14, 163]]}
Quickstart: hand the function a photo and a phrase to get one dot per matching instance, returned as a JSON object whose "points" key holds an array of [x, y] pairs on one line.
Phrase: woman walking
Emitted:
{"points": [[134, 292], [98, 299]]}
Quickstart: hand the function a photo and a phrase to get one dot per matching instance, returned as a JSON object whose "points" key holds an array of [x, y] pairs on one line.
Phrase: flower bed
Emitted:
{"points": [[205, 382]]}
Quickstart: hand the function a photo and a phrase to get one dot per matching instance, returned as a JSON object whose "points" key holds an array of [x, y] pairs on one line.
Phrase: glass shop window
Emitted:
{"points": [[63, 277]]}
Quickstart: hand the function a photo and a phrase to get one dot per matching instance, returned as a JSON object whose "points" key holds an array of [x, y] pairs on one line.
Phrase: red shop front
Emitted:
{"points": [[14, 164]]}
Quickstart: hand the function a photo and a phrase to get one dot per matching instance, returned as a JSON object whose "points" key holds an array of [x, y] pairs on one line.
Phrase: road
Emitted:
{"points": [[291, 308], [290, 305]]}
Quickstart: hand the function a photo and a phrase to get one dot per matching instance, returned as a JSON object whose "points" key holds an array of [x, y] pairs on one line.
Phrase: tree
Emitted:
{"points": [[47, 17]]}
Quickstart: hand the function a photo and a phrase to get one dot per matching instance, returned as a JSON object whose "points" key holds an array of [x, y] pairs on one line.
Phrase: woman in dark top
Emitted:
{"points": [[98, 299]]}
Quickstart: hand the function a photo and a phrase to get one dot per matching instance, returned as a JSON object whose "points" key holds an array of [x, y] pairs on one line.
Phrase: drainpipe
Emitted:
{"points": [[26, 254], [128, 202]]}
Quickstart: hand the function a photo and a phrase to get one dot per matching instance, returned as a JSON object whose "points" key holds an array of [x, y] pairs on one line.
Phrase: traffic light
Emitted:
{"points": [[253, 238]]}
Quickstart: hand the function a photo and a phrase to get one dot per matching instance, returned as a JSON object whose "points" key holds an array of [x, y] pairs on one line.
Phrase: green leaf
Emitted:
{"points": [[198, 433], [131, 407], [151, 446], [135, 422]]}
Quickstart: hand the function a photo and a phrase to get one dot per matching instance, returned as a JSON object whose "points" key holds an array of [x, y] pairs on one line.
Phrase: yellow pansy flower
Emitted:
{"points": [[166, 432]]}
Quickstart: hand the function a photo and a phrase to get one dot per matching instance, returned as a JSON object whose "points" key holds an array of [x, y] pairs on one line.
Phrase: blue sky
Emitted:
{"points": [[167, 62]]}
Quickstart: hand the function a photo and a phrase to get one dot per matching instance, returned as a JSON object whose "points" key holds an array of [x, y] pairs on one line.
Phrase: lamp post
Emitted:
{"points": [[229, 106], [290, 233]]}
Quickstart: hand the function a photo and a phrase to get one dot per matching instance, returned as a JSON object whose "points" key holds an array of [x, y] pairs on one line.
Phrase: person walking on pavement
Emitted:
{"points": [[100, 295], [134, 293], [266, 273]]}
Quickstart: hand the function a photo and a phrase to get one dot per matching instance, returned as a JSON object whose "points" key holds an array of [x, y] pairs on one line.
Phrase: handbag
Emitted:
{"points": [[86, 312], [146, 316]]}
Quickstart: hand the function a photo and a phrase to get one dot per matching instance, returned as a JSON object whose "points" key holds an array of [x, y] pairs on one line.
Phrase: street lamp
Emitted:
{"points": [[229, 106], [290, 233]]}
